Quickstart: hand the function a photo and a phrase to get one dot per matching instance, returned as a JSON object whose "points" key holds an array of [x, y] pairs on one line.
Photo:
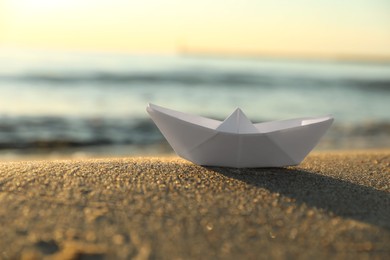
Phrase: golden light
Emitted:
{"points": [[167, 25], [38, 5]]}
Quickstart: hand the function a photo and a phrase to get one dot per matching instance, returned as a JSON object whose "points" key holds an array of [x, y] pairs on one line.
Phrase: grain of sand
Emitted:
{"points": [[333, 205]]}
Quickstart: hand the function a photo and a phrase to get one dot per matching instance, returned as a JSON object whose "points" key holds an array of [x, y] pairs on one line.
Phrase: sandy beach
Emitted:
{"points": [[333, 205]]}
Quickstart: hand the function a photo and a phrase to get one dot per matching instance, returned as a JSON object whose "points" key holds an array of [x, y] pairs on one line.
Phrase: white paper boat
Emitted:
{"points": [[237, 142]]}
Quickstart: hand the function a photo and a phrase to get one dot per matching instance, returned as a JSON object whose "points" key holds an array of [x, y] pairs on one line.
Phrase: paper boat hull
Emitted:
{"points": [[206, 146]]}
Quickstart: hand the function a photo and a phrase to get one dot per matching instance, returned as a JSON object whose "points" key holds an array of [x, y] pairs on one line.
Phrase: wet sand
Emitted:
{"points": [[333, 205]]}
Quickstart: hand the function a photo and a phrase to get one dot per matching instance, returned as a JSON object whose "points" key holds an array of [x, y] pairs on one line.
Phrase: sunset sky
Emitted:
{"points": [[301, 27]]}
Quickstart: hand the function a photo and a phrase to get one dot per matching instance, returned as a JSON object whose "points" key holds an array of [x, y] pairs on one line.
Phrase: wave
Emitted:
{"points": [[57, 133], [226, 79], [52, 132]]}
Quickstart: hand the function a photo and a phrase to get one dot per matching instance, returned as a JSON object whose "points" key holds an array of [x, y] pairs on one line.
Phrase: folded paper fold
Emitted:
{"points": [[236, 141]]}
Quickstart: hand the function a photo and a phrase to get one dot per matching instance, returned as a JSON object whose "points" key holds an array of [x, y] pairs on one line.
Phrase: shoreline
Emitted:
{"points": [[73, 155], [333, 205]]}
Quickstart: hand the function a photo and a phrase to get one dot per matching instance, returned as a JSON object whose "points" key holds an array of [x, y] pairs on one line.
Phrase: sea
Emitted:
{"points": [[93, 104]]}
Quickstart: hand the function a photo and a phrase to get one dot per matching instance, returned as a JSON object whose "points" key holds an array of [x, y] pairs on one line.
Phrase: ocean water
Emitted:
{"points": [[54, 102]]}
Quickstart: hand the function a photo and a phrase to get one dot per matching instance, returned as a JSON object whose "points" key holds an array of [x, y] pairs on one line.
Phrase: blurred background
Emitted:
{"points": [[76, 76]]}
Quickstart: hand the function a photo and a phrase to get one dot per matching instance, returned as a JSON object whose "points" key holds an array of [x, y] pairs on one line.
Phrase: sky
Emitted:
{"points": [[281, 27]]}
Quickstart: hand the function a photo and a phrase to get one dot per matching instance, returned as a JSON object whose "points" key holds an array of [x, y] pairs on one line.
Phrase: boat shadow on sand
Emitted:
{"points": [[342, 198]]}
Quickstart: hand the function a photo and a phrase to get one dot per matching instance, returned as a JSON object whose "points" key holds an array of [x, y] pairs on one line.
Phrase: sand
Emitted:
{"points": [[333, 205]]}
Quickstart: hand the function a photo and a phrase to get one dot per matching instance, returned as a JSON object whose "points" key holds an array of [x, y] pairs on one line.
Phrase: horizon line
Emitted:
{"points": [[336, 57]]}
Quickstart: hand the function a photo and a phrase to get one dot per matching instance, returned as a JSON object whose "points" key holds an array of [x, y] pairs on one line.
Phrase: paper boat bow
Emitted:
{"points": [[237, 142]]}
